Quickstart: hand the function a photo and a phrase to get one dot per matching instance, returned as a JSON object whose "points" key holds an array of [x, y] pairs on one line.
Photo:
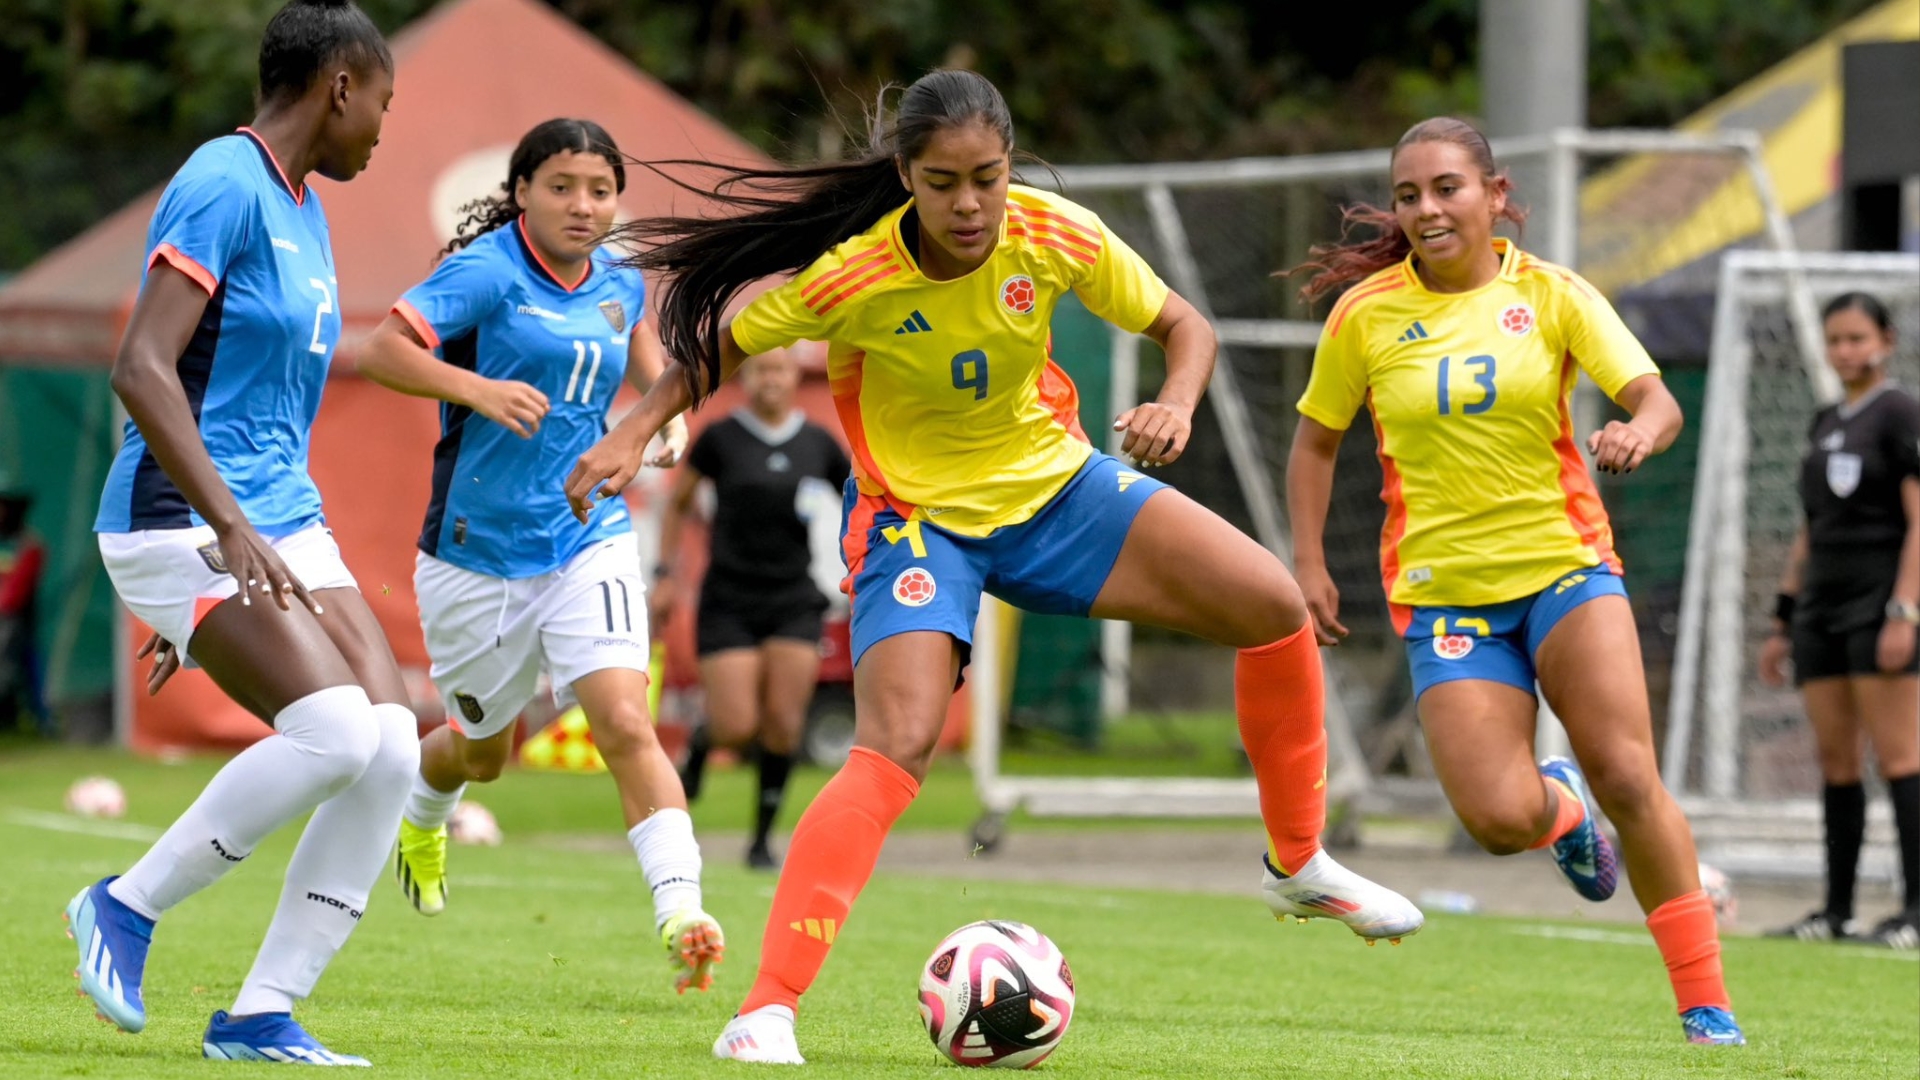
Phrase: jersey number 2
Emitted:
{"points": [[1484, 377], [573, 381], [320, 314]]}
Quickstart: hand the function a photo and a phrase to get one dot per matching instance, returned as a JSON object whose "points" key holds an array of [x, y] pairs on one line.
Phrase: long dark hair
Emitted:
{"points": [[1331, 266], [779, 220], [483, 215], [307, 35]]}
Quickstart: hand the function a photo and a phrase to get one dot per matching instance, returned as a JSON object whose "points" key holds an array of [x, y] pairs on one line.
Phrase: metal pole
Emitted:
{"points": [[1116, 635], [1347, 775]]}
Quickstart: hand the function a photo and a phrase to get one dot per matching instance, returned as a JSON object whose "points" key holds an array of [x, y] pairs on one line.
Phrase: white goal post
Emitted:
{"points": [[1144, 203]]}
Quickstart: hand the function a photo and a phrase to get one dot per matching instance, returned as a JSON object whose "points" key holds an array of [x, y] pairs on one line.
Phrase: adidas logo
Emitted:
{"points": [[817, 929], [1127, 478], [916, 324], [1414, 333]]}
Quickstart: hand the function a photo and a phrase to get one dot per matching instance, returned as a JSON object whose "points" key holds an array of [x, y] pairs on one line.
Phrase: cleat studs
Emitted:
{"points": [[1393, 941], [1371, 942], [1301, 919]]}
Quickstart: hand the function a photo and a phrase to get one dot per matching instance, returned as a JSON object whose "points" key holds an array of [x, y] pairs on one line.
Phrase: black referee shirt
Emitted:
{"points": [[759, 539]]}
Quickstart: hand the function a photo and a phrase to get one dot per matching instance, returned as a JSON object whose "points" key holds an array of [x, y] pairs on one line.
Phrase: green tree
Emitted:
{"points": [[101, 99]]}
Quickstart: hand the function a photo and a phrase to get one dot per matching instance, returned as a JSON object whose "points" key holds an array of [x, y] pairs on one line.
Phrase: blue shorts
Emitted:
{"points": [[912, 575], [1497, 642]]}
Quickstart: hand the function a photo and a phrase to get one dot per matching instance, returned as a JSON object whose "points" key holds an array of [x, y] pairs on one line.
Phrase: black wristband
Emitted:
{"points": [[1783, 605]]}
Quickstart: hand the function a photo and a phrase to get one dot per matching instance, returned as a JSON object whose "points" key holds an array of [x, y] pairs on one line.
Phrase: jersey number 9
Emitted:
{"points": [[1484, 376], [970, 373]]}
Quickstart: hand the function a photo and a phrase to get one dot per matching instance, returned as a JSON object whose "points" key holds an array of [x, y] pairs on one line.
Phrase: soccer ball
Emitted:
{"points": [[472, 823], [96, 796], [996, 993], [1719, 890]]}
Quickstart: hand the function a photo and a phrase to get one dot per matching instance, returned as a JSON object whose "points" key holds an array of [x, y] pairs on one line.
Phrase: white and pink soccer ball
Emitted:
{"points": [[472, 823], [996, 994], [96, 797], [1719, 889]]}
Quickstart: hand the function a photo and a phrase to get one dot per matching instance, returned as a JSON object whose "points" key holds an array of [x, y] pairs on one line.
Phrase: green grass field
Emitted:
{"points": [[543, 967]]}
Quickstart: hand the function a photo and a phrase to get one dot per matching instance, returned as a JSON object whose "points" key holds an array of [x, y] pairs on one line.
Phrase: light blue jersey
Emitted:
{"points": [[255, 366], [494, 308]]}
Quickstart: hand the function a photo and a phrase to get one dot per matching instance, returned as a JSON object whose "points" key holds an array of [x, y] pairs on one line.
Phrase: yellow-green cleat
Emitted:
{"points": [[694, 944], [420, 866]]}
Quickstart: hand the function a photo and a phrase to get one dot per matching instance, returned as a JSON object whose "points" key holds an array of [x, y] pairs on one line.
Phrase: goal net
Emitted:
{"points": [[1637, 212], [1737, 751]]}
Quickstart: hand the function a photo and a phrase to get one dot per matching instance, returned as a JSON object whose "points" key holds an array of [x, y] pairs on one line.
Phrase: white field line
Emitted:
{"points": [[112, 830]]}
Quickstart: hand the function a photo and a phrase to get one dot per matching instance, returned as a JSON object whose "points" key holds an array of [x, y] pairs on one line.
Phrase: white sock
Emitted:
{"points": [[428, 807], [322, 744], [670, 857], [341, 855]]}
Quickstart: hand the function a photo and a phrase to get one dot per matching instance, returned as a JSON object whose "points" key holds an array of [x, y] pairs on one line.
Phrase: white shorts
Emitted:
{"points": [[489, 637], [171, 578]]}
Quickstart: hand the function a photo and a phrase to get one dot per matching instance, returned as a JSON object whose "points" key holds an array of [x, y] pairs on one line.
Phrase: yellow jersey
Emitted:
{"points": [[1488, 498], [954, 409]]}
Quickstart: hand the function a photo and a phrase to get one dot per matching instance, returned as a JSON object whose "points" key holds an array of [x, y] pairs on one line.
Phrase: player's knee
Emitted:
{"points": [[624, 731], [1499, 831], [911, 750], [1626, 785], [485, 759], [1274, 610], [397, 757], [338, 730], [1840, 765]]}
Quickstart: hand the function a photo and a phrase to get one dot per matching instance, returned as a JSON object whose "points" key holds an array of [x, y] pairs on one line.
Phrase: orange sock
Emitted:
{"points": [[1279, 694], [1568, 813], [1689, 941], [831, 856]]}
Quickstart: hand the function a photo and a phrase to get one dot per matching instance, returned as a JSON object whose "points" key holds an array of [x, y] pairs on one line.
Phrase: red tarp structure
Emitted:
{"points": [[471, 78]]}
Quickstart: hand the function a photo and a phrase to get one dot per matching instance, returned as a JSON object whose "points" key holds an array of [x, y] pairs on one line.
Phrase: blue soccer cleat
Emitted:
{"points": [[113, 940], [267, 1037], [1711, 1025], [1585, 855]]}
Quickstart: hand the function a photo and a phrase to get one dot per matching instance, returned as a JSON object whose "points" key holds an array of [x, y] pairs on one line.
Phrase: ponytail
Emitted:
{"points": [[778, 220], [1331, 267]]}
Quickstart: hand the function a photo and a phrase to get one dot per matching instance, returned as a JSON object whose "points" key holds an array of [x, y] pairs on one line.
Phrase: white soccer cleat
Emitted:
{"points": [[763, 1036], [1323, 889]]}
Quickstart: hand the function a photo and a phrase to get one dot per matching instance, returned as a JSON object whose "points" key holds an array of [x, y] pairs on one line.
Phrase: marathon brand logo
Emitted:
{"points": [[332, 903], [224, 853]]}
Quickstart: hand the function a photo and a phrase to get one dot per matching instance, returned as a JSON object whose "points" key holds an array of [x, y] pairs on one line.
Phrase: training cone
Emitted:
{"points": [[566, 745]]}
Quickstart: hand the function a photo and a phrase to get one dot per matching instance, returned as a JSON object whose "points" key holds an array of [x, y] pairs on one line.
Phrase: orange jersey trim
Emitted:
{"points": [[1394, 529], [1585, 512], [184, 263], [1361, 292], [418, 321], [1051, 230], [1062, 399], [299, 194], [585, 271], [826, 292], [846, 402]]}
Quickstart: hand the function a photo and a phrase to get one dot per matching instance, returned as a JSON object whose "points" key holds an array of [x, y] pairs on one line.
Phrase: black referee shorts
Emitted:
{"points": [[733, 616]]}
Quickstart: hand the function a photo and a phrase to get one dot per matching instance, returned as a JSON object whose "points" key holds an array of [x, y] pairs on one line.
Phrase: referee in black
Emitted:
{"points": [[759, 619], [1848, 611]]}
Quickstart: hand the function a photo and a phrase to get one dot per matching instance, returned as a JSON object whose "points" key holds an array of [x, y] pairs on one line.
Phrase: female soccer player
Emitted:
{"points": [[759, 623], [971, 474], [534, 328], [1496, 556], [1848, 608], [212, 533]]}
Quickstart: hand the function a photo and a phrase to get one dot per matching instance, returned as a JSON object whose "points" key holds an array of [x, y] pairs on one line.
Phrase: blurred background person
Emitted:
{"points": [[1848, 609]]}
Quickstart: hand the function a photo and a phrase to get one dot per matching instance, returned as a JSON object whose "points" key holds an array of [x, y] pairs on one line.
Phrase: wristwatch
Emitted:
{"points": [[1903, 610]]}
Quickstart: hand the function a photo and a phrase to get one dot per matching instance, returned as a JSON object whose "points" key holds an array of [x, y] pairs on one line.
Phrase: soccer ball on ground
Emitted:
{"points": [[1719, 889], [472, 823], [97, 797], [998, 994]]}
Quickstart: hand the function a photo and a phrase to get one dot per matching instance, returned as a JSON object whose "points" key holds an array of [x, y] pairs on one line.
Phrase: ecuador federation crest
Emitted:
{"points": [[616, 314]]}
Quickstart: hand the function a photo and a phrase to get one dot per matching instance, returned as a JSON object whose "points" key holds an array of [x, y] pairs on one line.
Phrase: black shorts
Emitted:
{"points": [[1843, 602], [738, 617], [1832, 655]]}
